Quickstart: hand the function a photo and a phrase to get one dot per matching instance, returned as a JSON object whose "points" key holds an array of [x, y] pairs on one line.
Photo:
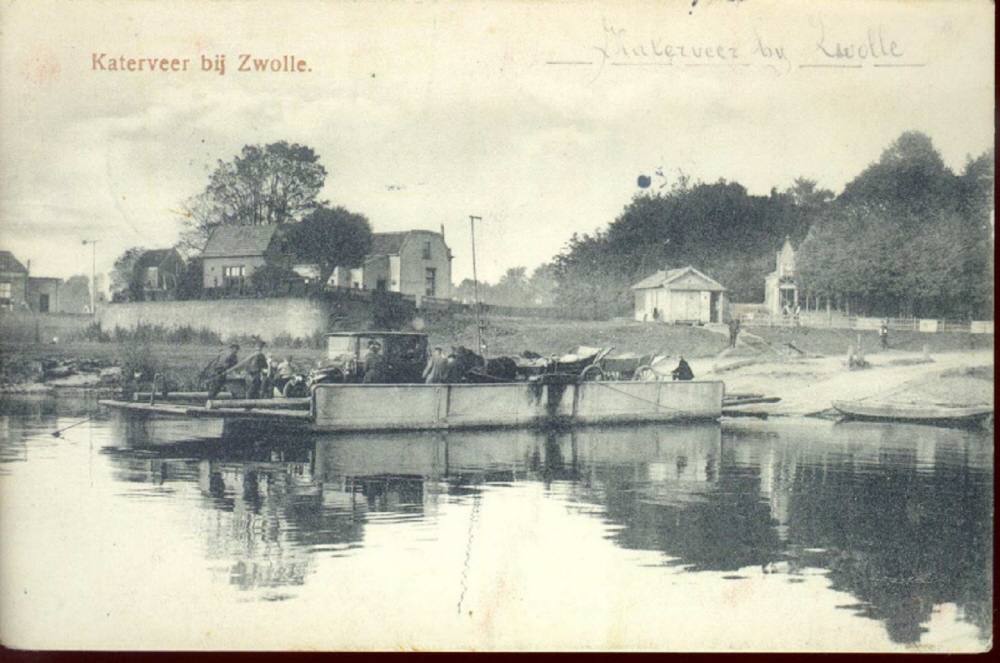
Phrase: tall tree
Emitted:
{"points": [[806, 193], [588, 280], [331, 238], [271, 184], [512, 289], [126, 282], [907, 237], [542, 285]]}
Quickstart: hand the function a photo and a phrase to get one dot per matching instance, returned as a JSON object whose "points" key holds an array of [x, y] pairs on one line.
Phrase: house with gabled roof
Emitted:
{"points": [[680, 296], [20, 291], [232, 253], [412, 262]]}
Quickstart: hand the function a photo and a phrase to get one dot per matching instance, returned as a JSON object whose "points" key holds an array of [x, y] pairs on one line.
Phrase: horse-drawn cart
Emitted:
{"points": [[586, 364]]}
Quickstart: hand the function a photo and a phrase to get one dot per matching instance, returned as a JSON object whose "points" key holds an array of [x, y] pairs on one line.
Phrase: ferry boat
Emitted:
{"points": [[389, 407]]}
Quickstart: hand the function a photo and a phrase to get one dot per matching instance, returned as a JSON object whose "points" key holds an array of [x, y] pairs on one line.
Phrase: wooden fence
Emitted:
{"points": [[835, 320]]}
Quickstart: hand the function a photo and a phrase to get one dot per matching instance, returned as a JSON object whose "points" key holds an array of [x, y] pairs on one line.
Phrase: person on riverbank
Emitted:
{"points": [[221, 366], [437, 367], [683, 371], [734, 331], [883, 335]]}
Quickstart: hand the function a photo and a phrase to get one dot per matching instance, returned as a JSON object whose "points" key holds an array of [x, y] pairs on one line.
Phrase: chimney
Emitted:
{"points": [[442, 232]]}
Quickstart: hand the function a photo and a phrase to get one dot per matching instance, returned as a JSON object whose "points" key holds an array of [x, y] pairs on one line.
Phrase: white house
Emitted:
{"points": [[413, 262], [682, 295], [780, 289]]}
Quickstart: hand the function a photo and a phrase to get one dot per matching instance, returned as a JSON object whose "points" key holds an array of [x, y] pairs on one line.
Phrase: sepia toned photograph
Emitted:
{"points": [[513, 325]]}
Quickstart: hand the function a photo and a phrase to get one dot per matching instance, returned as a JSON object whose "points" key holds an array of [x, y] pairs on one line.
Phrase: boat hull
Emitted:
{"points": [[442, 406], [384, 407], [918, 414]]}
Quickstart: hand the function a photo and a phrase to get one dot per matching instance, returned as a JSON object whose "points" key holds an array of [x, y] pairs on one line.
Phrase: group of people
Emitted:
{"points": [[260, 372], [438, 370]]}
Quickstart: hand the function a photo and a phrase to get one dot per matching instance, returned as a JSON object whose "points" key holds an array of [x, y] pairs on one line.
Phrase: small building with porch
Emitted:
{"points": [[781, 291], [679, 296]]}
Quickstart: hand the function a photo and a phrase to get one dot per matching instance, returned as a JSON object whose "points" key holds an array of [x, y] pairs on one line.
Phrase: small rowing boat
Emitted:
{"points": [[940, 415]]}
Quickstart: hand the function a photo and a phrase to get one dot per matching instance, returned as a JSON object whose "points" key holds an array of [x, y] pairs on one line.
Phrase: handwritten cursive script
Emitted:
{"points": [[618, 46], [871, 45]]}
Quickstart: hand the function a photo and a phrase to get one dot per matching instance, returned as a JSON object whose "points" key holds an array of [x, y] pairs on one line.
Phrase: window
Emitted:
{"points": [[233, 277], [5, 295], [430, 281], [152, 277], [427, 250]]}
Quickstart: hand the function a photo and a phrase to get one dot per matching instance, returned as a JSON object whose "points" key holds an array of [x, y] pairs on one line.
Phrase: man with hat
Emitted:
{"points": [[257, 369], [222, 364], [374, 364]]}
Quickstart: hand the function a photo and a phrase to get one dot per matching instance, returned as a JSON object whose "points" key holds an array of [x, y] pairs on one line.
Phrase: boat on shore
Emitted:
{"points": [[393, 407], [938, 415]]}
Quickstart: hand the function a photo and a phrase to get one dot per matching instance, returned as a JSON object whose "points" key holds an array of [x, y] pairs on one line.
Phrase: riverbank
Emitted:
{"points": [[801, 366], [808, 385]]}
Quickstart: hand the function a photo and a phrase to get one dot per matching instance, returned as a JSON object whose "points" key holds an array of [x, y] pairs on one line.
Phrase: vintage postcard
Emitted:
{"points": [[514, 325]]}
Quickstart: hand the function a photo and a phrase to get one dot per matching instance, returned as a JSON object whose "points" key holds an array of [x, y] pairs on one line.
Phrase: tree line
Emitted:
{"points": [[906, 237]]}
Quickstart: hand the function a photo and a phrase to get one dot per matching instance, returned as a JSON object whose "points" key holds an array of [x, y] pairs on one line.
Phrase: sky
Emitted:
{"points": [[537, 117]]}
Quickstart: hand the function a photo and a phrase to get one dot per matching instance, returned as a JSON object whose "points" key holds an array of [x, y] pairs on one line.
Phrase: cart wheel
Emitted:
{"points": [[645, 374], [592, 373]]}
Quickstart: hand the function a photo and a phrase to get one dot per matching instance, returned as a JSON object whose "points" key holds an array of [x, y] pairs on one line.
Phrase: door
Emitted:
{"points": [[43, 303], [692, 306]]}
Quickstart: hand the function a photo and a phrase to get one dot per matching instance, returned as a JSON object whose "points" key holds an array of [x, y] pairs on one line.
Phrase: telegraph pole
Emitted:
{"points": [[93, 273], [475, 283]]}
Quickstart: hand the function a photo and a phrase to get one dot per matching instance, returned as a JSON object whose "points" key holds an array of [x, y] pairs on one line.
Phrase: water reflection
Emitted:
{"points": [[899, 517]]}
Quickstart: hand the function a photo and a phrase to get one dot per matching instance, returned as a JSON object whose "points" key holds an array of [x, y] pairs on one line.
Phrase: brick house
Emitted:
{"points": [[13, 282]]}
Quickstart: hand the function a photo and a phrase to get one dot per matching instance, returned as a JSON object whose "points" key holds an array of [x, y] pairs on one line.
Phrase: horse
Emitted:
{"points": [[464, 365]]}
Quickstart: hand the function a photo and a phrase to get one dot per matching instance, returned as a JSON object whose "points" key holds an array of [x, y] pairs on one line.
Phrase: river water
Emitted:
{"points": [[781, 535]]}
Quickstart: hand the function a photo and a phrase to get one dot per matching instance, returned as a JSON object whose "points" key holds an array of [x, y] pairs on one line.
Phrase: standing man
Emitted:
{"points": [[883, 335], [256, 372], [374, 364], [221, 366], [734, 331], [437, 366]]}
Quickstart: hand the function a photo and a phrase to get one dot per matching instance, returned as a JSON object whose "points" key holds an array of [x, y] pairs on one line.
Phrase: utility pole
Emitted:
{"points": [[475, 283], [93, 273]]}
